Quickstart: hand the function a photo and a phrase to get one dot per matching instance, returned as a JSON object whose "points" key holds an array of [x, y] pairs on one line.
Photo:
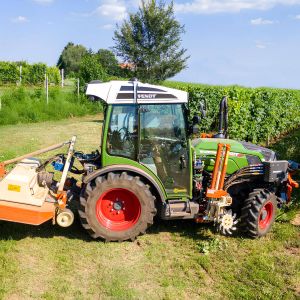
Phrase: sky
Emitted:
{"points": [[245, 42]]}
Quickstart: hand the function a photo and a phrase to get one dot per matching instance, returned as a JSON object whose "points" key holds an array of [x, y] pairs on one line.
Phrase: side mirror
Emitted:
{"points": [[196, 119]]}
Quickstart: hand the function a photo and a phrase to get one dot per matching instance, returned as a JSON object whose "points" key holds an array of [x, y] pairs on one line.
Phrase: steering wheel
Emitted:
{"points": [[125, 133]]}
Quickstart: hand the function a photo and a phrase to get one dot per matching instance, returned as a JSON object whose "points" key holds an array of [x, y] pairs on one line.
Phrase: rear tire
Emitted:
{"points": [[117, 207], [258, 213]]}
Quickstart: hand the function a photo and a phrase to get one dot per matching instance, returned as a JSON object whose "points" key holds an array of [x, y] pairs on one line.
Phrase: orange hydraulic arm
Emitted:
{"points": [[219, 172], [290, 185]]}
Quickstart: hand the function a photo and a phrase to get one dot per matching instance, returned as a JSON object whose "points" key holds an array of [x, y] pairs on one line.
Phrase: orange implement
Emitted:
{"points": [[206, 135], [219, 172], [290, 185], [2, 170], [217, 166], [27, 214], [224, 167]]}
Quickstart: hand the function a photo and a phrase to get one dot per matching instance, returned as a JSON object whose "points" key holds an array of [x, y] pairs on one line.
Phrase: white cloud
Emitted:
{"points": [[261, 21], [43, 1], [114, 9], [260, 45], [297, 17], [107, 26], [20, 19], [229, 6]]}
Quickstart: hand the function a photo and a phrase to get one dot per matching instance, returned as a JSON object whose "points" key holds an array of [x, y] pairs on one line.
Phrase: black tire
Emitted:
{"points": [[258, 213], [94, 215]]}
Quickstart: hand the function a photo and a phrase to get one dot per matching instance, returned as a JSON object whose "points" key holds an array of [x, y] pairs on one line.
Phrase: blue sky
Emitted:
{"points": [[245, 42]]}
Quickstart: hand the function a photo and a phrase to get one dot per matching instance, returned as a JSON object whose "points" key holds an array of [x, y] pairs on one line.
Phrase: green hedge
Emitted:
{"points": [[255, 114], [32, 74]]}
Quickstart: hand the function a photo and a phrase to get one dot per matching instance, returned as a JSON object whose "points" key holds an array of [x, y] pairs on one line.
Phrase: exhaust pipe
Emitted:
{"points": [[223, 120]]}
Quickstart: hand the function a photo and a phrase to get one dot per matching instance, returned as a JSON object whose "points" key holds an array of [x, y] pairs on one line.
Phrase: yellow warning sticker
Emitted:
{"points": [[14, 188], [176, 191]]}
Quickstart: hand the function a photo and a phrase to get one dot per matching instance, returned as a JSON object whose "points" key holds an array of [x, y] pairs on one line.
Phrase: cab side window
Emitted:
{"points": [[123, 131]]}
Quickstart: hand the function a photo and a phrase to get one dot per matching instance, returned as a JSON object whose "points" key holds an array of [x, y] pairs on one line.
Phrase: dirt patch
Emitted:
{"points": [[294, 251], [297, 291], [296, 220]]}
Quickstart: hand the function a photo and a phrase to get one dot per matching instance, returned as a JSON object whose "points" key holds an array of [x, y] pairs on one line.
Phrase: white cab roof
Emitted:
{"points": [[122, 92]]}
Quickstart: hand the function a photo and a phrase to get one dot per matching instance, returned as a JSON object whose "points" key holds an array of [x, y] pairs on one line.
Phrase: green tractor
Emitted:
{"points": [[149, 166]]}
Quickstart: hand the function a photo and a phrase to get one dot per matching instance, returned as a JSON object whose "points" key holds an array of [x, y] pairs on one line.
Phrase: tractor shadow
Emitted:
{"points": [[185, 228]]}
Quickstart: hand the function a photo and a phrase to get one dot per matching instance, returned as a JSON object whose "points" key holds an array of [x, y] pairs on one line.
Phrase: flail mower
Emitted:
{"points": [[148, 165]]}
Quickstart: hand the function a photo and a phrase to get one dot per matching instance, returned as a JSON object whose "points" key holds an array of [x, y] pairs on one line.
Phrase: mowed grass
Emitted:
{"points": [[174, 260]]}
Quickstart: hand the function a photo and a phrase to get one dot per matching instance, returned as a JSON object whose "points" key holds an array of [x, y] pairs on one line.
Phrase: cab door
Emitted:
{"points": [[163, 145]]}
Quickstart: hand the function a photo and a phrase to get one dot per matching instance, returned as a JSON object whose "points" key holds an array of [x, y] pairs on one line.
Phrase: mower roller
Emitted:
{"points": [[147, 165]]}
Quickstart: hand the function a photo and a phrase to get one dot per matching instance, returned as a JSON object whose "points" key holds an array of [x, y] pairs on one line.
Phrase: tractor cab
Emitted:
{"points": [[146, 126]]}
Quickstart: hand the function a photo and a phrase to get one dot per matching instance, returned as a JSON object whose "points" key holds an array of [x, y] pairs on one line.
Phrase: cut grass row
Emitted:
{"points": [[174, 260]]}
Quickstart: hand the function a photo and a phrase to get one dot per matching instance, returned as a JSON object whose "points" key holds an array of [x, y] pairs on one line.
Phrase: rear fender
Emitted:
{"points": [[133, 170]]}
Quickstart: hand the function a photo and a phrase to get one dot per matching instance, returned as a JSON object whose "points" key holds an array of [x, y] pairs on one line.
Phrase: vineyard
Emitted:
{"points": [[31, 74], [255, 114], [258, 115]]}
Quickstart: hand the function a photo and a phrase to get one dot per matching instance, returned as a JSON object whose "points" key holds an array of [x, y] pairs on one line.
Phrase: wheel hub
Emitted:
{"points": [[118, 209], [264, 214], [117, 205]]}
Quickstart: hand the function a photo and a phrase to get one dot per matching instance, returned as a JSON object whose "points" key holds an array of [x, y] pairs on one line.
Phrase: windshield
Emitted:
{"points": [[165, 121]]}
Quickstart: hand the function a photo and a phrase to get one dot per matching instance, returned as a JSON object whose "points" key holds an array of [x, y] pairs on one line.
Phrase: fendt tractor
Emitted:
{"points": [[147, 166]]}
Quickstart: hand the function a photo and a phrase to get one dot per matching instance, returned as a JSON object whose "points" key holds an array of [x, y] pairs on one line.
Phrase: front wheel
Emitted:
{"points": [[117, 207], [258, 213]]}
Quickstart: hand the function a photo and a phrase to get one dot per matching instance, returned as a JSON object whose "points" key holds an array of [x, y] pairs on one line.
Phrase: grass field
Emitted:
{"points": [[28, 104], [175, 260]]}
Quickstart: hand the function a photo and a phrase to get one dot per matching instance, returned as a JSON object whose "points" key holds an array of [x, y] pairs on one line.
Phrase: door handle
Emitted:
{"points": [[182, 162]]}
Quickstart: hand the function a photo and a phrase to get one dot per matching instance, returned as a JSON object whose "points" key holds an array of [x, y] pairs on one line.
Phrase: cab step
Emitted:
{"points": [[178, 209]]}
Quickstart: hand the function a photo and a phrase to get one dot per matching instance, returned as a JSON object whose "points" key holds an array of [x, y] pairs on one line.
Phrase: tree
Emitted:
{"points": [[70, 58], [108, 61], [150, 40], [90, 69]]}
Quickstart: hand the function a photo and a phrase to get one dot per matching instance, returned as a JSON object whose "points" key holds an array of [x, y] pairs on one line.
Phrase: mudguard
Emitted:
{"points": [[127, 168]]}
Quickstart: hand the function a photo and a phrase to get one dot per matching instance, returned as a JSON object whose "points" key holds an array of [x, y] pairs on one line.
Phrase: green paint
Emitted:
{"points": [[206, 149]]}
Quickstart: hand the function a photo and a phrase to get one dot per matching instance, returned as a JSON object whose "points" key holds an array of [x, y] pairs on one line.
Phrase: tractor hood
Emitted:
{"points": [[206, 145]]}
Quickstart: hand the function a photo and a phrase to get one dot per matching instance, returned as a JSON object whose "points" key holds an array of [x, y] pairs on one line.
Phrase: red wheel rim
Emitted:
{"points": [[266, 215], [118, 209]]}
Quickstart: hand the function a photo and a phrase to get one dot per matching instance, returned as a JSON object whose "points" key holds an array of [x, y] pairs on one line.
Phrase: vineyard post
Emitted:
{"points": [[62, 77], [20, 74], [47, 90], [78, 88]]}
